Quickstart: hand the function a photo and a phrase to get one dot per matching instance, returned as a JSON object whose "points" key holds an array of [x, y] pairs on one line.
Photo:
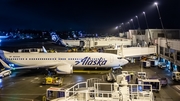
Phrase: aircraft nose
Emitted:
{"points": [[124, 61]]}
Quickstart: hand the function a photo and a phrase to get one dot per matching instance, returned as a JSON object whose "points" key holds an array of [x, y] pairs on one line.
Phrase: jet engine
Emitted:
{"points": [[64, 69]]}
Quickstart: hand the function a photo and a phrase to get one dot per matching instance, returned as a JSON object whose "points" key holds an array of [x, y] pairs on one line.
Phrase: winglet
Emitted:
{"points": [[44, 49], [115, 47], [4, 64], [122, 47]]}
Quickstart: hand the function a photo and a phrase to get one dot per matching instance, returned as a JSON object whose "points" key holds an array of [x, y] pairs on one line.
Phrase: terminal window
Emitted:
{"points": [[178, 55], [161, 50]]}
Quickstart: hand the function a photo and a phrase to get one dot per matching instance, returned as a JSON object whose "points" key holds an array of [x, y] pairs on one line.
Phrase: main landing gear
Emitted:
{"points": [[50, 72]]}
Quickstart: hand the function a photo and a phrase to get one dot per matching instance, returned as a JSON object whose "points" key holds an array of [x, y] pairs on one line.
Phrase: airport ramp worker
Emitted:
{"points": [[131, 75]]}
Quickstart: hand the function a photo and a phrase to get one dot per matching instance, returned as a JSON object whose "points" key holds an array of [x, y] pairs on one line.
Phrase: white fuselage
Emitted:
{"points": [[53, 59]]}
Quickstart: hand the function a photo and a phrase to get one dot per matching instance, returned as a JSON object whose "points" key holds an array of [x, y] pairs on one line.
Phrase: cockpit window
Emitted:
{"points": [[119, 57]]}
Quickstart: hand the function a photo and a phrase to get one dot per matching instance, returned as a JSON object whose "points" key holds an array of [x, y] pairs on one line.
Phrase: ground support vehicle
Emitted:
{"points": [[53, 81], [5, 73], [176, 76]]}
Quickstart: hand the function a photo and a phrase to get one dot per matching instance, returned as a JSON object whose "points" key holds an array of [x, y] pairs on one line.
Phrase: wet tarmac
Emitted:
{"points": [[25, 85]]}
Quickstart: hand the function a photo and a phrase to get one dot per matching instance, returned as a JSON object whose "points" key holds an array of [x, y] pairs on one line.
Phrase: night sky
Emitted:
{"points": [[89, 15]]}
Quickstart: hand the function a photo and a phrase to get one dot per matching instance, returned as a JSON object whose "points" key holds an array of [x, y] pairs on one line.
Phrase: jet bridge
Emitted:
{"points": [[132, 51], [106, 42]]}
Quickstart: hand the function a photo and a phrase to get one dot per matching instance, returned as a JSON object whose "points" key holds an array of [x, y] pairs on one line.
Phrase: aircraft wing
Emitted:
{"points": [[39, 65], [35, 66]]}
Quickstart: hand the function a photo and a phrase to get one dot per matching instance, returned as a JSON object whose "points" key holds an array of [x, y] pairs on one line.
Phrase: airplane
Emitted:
{"points": [[64, 43], [115, 41], [62, 63]]}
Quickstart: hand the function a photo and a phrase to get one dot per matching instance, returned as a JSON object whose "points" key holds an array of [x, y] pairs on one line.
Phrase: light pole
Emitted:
{"points": [[159, 15], [132, 23], [138, 22], [117, 28], [129, 25], [139, 28], [147, 26], [162, 24], [123, 28]]}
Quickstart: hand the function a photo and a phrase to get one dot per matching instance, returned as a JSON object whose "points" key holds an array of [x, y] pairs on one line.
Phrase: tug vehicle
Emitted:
{"points": [[52, 81], [176, 76]]}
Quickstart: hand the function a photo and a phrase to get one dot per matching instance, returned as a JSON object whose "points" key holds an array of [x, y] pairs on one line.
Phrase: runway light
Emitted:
{"points": [[0, 80]]}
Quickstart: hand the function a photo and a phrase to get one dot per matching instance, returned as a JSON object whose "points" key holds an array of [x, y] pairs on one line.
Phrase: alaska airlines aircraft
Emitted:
{"points": [[63, 63], [65, 43]]}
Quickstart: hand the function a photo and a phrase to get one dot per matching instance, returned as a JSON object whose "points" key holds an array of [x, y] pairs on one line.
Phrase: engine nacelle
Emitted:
{"points": [[64, 69]]}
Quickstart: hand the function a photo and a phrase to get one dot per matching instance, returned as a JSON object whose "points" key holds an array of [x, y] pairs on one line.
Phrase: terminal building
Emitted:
{"points": [[167, 42]]}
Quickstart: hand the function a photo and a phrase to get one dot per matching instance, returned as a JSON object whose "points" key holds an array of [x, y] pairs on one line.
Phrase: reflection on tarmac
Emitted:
{"points": [[25, 85]]}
